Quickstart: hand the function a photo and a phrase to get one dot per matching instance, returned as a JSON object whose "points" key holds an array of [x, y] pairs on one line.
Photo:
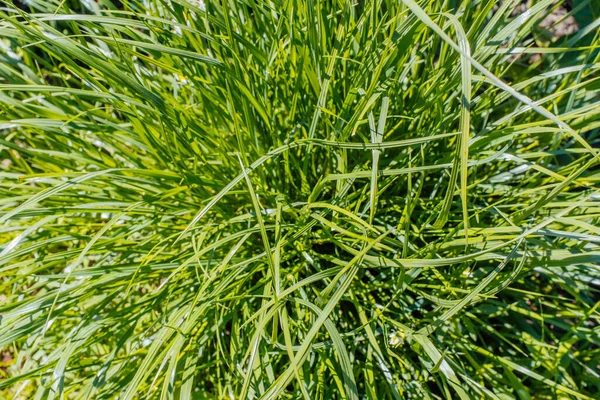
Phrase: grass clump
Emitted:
{"points": [[298, 199]]}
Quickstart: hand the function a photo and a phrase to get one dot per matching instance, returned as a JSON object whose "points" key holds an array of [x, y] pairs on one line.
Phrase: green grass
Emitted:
{"points": [[298, 199]]}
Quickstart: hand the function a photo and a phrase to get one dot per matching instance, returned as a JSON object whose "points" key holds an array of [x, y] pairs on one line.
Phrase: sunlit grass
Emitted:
{"points": [[298, 199]]}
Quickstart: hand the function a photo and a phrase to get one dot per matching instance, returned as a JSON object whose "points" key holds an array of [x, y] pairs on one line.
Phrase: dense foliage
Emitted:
{"points": [[299, 199]]}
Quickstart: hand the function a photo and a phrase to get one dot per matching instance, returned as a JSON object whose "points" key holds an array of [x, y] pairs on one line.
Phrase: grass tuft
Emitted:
{"points": [[299, 199]]}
